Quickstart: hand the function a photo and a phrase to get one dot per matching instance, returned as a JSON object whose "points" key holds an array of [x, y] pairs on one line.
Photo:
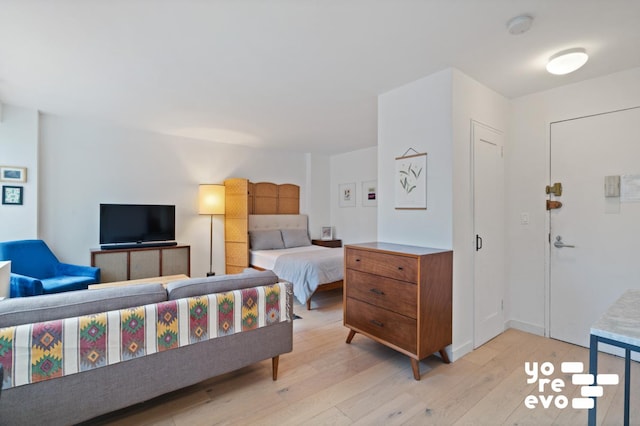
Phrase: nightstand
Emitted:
{"points": [[327, 243]]}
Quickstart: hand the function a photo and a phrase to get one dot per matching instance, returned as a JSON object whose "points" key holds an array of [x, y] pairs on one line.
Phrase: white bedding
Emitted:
{"points": [[306, 267]]}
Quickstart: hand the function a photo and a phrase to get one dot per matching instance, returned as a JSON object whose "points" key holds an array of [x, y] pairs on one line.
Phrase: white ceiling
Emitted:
{"points": [[297, 74]]}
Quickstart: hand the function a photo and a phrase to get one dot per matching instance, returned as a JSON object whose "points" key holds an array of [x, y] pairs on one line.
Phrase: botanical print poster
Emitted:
{"points": [[347, 195], [411, 182]]}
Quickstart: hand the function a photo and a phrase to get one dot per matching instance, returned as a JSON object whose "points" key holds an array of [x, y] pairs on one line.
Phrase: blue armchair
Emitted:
{"points": [[36, 270]]}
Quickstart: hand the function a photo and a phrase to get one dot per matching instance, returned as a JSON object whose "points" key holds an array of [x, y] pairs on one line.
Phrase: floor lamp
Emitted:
{"points": [[211, 202]]}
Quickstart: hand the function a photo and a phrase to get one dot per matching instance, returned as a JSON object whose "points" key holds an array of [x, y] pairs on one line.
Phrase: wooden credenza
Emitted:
{"points": [[136, 263], [400, 296]]}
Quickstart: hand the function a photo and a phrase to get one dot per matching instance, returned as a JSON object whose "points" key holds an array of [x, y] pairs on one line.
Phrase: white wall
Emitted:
{"points": [[418, 116], [471, 101], [434, 115], [353, 224], [86, 163], [19, 148], [528, 173], [318, 192]]}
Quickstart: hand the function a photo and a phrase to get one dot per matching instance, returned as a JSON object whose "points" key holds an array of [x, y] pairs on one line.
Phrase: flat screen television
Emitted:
{"points": [[131, 225]]}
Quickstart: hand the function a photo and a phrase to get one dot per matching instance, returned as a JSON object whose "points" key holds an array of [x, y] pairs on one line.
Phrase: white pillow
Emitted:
{"points": [[266, 240], [295, 238]]}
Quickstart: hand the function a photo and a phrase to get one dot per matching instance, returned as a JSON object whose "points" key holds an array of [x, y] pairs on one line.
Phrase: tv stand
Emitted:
{"points": [[140, 244], [120, 263]]}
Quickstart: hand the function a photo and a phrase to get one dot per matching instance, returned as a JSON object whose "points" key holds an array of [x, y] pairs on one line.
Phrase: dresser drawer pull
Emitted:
{"points": [[376, 291], [377, 323], [357, 260], [400, 268]]}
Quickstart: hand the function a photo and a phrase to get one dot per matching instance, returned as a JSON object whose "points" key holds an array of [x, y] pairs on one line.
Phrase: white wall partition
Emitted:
{"points": [[355, 224], [318, 192], [471, 101], [84, 163], [434, 115], [19, 147], [417, 116]]}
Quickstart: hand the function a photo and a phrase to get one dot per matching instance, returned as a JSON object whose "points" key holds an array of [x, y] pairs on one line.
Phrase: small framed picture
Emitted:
{"points": [[347, 195], [12, 195], [327, 233], [13, 174], [370, 193]]}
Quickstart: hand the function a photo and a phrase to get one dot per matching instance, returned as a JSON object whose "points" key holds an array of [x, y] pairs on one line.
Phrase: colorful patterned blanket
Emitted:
{"points": [[35, 352]]}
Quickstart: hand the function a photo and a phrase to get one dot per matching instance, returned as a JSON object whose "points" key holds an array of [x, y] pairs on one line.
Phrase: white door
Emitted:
{"points": [[584, 280], [488, 206]]}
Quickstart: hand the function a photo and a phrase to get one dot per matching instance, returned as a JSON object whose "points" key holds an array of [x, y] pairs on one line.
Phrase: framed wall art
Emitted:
{"points": [[411, 182], [12, 195], [370, 193], [13, 174], [327, 233], [347, 195]]}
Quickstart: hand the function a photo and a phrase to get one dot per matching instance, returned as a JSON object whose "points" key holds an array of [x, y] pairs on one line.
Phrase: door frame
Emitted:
{"points": [[472, 237]]}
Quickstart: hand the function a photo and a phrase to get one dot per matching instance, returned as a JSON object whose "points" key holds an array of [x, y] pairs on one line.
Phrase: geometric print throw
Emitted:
{"points": [[31, 353]]}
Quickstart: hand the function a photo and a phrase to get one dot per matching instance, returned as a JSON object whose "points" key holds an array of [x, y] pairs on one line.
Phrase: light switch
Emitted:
{"points": [[612, 186], [524, 218]]}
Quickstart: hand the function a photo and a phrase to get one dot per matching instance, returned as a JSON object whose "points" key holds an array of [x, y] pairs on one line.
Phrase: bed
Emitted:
{"points": [[281, 243]]}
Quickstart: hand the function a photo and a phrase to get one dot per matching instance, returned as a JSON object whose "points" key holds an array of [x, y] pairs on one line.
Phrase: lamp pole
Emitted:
{"points": [[211, 273], [211, 201]]}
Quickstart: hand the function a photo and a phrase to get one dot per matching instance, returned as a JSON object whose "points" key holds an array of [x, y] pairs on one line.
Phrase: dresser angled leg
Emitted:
{"points": [[350, 336], [445, 357], [415, 366]]}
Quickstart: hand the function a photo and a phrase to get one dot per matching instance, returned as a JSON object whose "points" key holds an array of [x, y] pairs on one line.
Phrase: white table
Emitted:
{"points": [[618, 326]]}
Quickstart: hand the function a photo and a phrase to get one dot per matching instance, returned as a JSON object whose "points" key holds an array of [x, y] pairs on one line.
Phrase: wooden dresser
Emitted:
{"points": [[400, 296]]}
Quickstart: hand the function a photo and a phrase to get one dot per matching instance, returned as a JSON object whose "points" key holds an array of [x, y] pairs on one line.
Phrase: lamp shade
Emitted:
{"points": [[211, 199]]}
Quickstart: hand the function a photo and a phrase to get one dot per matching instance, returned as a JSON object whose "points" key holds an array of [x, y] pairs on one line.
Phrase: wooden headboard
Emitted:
{"points": [[269, 198], [244, 198]]}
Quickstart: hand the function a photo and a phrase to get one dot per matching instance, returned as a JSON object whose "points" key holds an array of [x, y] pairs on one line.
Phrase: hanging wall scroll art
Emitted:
{"points": [[411, 181]]}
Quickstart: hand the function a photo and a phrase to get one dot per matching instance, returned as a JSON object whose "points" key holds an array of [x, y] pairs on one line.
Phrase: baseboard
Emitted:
{"points": [[460, 351], [525, 326]]}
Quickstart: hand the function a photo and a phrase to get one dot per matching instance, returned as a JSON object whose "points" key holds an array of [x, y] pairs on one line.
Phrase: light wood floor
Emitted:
{"points": [[324, 381]]}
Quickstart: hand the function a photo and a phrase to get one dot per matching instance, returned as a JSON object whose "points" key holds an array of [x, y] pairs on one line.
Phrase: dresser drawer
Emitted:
{"points": [[387, 265], [383, 324], [394, 295]]}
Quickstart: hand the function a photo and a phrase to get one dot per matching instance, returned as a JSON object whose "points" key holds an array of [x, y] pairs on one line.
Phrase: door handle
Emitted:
{"points": [[478, 242], [559, 244]]}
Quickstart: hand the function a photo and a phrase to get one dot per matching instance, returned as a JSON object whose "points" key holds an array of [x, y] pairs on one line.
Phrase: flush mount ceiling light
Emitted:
{"points": [[567, 61]]}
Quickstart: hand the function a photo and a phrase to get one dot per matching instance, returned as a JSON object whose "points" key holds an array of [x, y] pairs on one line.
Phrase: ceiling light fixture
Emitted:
{"points": [[567, 61]]}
